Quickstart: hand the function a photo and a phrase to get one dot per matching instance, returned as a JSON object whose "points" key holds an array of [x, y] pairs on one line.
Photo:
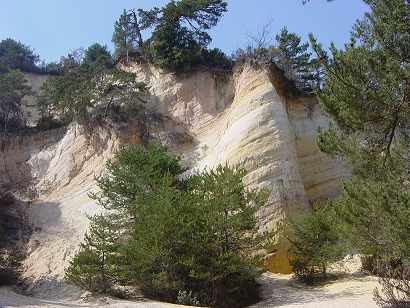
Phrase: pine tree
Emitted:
{"points": [[125, 37], [171, 236], [13, 87], [366, 92], [96, 89], [179, 33], [315, 243], [95, 51], [293, 58], [93, 266], [18, 56]]}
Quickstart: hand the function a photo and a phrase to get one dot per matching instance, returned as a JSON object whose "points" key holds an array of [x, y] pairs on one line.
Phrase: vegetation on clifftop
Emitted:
{"points": [[363, 87], [94, 90], [179, 36]]}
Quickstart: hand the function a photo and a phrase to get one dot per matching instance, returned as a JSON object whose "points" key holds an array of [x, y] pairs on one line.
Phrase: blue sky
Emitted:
{"points": [[55, 27]]}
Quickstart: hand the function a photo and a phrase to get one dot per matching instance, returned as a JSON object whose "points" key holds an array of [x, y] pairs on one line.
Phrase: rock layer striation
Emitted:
{"points": [[212, 117]]}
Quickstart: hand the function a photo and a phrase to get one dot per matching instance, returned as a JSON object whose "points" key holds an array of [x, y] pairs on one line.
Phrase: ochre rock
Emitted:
{"points": [[247, 117]]}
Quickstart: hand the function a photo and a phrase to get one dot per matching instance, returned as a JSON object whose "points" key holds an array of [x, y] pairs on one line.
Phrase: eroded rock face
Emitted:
{"points": [[243, 119], [212, 118], [15, 151], [65, 174], [29, 102]]}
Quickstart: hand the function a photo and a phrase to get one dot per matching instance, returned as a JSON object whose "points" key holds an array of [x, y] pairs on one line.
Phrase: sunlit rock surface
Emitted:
{"points": [[212, 118]]}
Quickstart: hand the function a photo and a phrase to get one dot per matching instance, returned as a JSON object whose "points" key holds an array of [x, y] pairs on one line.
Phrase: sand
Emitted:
{"points": [[277, 291]]}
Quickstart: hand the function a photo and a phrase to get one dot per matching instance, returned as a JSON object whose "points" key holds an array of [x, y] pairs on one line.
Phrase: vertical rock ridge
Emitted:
{"points": [[251, 117]]}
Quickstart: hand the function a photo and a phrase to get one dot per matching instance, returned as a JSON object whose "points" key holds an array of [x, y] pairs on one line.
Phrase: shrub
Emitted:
{"points": [[217, 58], [395, 282], [166, 235], [187, 298], [315, 245], [93, 90]]}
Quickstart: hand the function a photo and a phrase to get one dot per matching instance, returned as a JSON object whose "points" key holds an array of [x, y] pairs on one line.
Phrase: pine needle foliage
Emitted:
{"points": [[316, 243], [170, 236], [366, 92]]}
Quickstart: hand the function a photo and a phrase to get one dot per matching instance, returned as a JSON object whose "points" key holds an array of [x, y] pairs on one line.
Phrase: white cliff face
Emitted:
{"points": [[321, 175], [29, 102], [17, 150], [65, 174], [210, 117], [243, 120]]}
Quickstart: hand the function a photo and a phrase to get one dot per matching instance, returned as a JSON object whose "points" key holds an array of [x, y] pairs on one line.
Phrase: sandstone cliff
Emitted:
{"points": [[29, 102], [211, 117]]}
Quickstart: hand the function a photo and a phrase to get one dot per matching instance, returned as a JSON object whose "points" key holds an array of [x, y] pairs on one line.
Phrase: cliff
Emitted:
{"points": [[29, 102], [252, 117]]}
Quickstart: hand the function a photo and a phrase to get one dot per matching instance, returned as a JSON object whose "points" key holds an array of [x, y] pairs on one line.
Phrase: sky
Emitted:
{"points": [[53, 28]]}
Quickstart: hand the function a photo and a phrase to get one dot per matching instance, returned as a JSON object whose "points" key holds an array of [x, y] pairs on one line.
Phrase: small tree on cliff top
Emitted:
{"points": [[125, 36], [179, 37], [96, 89], [16, 55]]}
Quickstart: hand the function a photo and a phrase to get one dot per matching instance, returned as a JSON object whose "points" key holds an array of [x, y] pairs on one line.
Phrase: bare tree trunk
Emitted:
{"points": [[137, 28]]}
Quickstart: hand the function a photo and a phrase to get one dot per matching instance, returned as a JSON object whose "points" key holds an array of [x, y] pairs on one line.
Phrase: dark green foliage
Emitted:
{"points": [[172, 54], [316, 243], [92, 266], [180, 32], [92, 90], [52, 68], [288, 52], [16, 55], [174, 237], [216, 58], [11, 230], [95, 51], [370, 108], [293, 58], [366, 93], [376, 216], [125, 36], [179, 36], [134, 174], [86, 270], [185, 298], [13, 87], [228, 236], [358, 93]]}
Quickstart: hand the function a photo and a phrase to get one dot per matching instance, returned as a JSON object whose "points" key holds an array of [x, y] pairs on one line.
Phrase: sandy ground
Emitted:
{"points": [[9, 299], [278, 291], [351, 292]]}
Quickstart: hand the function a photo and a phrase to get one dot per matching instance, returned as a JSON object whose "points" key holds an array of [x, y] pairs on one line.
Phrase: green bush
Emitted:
{"points": [[179, 37], [94, 90], [217, 58], [187, 298], [315, 245], [16, 55], [165, 235]]}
